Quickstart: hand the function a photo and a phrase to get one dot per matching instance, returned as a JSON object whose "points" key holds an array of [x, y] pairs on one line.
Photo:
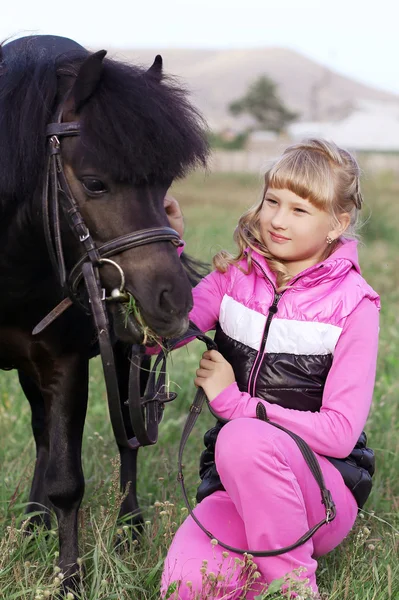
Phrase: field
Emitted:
{"points": [[364, 567]]}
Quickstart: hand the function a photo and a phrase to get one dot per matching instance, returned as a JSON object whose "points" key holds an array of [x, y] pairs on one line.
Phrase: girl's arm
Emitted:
{"points": [[347, 395], [208, 296]]}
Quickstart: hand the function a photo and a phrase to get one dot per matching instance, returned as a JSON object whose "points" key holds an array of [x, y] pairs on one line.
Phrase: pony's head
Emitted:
{"points": [[138, 133]]}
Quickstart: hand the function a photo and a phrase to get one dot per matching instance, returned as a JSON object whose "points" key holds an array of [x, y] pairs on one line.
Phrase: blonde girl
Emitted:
{"points": [[297, 332]]}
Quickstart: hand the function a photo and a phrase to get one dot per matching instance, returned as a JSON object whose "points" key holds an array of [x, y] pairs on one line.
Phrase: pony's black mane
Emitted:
{"points": [[138, 128]]}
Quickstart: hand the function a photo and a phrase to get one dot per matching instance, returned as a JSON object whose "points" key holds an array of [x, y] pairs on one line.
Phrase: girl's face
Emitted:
{"points": [[294, 230]]}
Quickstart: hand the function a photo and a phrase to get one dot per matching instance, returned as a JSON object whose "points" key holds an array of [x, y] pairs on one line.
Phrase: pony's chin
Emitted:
{"points": [[126, 328]]}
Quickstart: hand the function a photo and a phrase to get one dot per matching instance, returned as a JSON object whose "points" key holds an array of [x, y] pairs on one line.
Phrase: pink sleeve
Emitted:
{"points": [[208, 295], [347, 395]]}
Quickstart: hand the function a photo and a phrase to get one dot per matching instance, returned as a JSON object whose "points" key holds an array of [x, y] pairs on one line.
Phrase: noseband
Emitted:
{"points": [[145, 413]]}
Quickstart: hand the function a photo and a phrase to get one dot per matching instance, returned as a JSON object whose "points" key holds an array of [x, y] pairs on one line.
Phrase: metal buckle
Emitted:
{"points": [[84, 236], [55, 142], [103, 296]]}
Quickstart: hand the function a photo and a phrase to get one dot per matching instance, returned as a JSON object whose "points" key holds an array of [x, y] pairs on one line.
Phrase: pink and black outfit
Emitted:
{"points": [[308, 355]]}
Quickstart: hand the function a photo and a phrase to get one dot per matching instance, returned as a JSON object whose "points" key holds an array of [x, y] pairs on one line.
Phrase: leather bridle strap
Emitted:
{"points": [[126, 242], [64, 129], [60, 189], [307, 453], [145, 425], [107, 355], [146, 411]]}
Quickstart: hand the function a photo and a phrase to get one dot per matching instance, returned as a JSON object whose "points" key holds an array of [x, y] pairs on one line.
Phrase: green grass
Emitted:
{"points": [[364, 567]]}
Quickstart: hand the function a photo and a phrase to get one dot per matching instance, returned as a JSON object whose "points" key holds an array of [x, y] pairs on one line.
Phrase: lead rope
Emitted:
{"points": [[307, 453]]}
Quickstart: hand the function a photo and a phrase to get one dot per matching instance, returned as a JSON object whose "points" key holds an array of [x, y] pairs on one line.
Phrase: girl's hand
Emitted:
{"points": [[174, 214], [214, 374]]}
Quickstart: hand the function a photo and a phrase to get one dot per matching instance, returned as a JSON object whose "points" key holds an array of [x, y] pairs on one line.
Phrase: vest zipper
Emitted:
{"points": [[259, 358], [272, 312]]}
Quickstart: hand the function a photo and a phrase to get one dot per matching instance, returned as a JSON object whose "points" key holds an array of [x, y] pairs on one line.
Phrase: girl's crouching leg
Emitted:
{"points": [[196, 568]]}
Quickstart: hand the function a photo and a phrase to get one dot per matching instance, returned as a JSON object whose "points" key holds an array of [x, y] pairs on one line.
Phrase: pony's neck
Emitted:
{"points": [[25, 266]]}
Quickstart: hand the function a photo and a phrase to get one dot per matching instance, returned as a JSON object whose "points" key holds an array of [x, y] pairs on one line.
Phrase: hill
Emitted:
{"points": [[216, 77]]}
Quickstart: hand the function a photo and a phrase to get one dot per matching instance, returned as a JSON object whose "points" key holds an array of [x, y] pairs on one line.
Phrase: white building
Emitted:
{"points": [[371, 127]]}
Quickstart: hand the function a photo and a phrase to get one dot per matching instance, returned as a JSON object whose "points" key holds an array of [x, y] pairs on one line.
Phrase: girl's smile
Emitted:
{"points": [[278, 238]]}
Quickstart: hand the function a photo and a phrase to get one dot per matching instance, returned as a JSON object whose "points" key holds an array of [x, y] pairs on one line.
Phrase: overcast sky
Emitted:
{"points": [[358, 38]]}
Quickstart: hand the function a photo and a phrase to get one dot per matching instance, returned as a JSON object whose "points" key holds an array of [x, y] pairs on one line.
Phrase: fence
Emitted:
{"points": [[251, 161]]}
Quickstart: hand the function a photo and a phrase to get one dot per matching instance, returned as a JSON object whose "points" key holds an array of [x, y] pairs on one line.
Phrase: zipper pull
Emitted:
{"points": [[274, 308]]}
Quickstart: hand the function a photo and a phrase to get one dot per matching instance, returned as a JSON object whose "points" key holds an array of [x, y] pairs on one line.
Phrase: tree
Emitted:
{"points": [[263, 103]]}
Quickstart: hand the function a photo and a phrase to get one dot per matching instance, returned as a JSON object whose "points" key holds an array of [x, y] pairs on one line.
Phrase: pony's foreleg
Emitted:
{"points": [[38, 500], [129, 513], [68, 390]]}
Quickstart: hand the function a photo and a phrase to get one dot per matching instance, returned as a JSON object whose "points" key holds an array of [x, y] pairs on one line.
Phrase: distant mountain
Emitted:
{"points": [[217, 77]]}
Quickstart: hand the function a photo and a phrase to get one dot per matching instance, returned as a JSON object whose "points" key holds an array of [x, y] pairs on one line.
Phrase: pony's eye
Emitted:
{"points": [[93, 186]]}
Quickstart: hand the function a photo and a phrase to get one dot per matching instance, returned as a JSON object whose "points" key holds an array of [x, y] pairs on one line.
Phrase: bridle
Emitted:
{"points": [[57, 198], [61, 197]]}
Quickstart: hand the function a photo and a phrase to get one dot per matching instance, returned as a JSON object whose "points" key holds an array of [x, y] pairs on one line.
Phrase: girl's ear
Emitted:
{"points": [[341, 225]]}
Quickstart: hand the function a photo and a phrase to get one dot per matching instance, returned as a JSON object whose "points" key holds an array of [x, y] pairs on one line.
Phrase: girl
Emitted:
{"points": [[297, 329]]}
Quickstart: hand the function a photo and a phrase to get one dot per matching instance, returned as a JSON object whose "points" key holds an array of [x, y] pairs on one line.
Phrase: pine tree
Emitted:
{"points": [[263, 103]]}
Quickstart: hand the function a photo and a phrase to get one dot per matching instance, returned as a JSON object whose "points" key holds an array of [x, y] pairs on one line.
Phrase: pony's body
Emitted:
{"points": [[137, 135]]}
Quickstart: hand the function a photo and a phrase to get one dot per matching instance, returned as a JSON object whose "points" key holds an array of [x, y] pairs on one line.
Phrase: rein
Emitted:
{"points": [[56, 197], [307, 453]]}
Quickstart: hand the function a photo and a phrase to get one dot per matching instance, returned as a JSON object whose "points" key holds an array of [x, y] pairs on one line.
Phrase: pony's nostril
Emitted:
{"points": [[166, 301]]}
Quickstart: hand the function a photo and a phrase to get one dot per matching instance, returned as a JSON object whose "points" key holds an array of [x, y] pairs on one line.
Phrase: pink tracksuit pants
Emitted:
{"points": [[271, 500]]}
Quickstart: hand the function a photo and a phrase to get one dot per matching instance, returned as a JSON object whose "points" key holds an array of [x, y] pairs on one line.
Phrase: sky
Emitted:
{"points": [[358, 38]]}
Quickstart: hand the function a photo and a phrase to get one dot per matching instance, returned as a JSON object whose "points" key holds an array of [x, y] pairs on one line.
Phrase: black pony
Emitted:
{"points": [[137, 133]]}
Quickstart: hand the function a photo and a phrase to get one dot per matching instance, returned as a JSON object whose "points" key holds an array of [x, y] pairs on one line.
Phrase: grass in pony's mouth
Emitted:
{"points": [[132, 309]]}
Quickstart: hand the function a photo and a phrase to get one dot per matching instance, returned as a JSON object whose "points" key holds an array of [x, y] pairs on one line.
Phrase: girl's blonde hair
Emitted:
{"points": [[316, 170]]}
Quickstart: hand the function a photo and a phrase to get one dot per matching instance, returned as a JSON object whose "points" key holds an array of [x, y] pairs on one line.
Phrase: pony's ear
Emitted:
{"points": [[88, 79], [156, 68]]}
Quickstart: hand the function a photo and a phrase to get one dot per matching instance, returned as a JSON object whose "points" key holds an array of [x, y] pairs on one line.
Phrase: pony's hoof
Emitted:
{"points": [[70, 587]]}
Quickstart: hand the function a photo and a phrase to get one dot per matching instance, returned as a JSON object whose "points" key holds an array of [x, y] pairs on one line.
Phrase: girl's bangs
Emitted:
{"points": [[306, 175]]}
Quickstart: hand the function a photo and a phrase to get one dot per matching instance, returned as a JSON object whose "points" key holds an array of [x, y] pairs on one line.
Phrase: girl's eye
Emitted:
{"points": [[270, 201], [300, 210], [93, 186]]}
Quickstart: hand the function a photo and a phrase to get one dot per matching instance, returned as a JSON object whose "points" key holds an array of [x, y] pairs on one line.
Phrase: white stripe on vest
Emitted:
{"points": [[288, 336]]}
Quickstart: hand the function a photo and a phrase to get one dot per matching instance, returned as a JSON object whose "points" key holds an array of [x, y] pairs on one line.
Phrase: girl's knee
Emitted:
{"points": [[242, 440]]}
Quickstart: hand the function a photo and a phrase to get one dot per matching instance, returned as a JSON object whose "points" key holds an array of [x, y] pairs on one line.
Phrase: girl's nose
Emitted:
{"points": [[279, 220]]}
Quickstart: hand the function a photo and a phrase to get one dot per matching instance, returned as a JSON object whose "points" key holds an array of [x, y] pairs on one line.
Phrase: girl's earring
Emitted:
{"points": [[329, 240]]}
